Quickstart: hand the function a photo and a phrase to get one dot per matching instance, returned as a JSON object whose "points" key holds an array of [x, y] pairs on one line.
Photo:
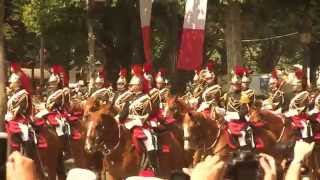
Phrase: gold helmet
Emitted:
{"points": [[122, 80], [196, 76], [159, 78], [14, 81], [245, 79], [137, 75], [298, 76]]}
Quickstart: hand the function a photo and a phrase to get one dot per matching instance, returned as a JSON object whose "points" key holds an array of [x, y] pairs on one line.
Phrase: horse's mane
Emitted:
{"points": [[268, 115], [198, 116]]}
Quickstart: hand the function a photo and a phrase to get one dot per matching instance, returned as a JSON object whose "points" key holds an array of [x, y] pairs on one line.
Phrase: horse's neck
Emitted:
{"points": [[222, 147]]}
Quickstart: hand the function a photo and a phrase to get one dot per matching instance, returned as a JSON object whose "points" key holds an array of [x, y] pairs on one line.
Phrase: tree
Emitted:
{"points": [[233, 34], [2, 70]]}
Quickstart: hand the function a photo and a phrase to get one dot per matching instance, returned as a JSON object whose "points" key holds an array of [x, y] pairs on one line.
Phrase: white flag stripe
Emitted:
{"points": [[145, 12], [195, 15]]}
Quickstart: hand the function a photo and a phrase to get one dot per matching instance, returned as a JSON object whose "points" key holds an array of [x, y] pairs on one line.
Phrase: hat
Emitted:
{"points": [[274, 79], [58, 71], [159, 76], [18, 75], [245, 77], [210, 65], [298, 76], [147, 67], [137, 75], [237, 74], [101, 78], [122, 76]]}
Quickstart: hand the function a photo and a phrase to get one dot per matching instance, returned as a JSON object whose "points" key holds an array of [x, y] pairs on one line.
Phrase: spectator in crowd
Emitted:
{"points": [[212, 168], [302, 150]]}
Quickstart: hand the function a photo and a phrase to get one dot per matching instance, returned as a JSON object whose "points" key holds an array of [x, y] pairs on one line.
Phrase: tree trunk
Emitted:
{"points": [[233, 35], [41, 57], [3, 96], [91, 40]]}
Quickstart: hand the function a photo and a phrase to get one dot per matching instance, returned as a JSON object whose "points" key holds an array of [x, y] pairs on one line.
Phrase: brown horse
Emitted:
{"points": [[208, 136], [50, 160], [286, 135], [115, 142]]}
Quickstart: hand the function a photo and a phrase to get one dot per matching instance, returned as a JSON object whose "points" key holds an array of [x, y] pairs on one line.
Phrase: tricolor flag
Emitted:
{"points": [[145, 17], [192, 41]]}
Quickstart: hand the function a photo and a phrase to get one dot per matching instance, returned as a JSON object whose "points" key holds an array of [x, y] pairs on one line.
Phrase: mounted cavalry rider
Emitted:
{"points": [[102, 91], [298, 106], [245, 86], [314, 112], [122, 85], [19, 107], [205, 79], [210, 97], [275, 100], [148, 78], [135, 115], [159, 96], [237, 106]]}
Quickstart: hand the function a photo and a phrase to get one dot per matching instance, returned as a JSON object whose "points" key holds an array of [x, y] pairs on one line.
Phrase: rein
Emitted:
{"points": [[108, 151], [214, 142]]}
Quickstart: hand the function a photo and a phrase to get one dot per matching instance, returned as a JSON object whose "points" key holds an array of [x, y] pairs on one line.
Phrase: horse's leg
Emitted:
{"points": [[60, 168], [316, 161]]}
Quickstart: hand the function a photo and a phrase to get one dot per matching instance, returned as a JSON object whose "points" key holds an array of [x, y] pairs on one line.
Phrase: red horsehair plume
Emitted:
{"points": [[25, 80], [123, 72], [147, 67], [299, 73], [210, 66], [60, 71], [137, 70], [162, 71], [16, 67], [274, 74], [239, 71]]}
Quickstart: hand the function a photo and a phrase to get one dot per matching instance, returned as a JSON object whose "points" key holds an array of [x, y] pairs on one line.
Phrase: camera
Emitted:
{"points": [[3, 154], [244, 164]]}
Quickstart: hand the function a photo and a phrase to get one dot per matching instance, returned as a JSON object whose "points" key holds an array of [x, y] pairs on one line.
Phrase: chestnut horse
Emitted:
{"points": [[50, 160], [286, 135], [208, 136], [122, 158]]}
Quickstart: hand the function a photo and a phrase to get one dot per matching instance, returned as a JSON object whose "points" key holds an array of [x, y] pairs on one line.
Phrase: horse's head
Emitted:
{"points": [[255, 111], [93, 104], [198, 130], [99, 126], [176, 107]]}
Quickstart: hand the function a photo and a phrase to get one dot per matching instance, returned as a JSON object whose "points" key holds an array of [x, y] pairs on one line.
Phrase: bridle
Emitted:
{"points": [[102, 147]]}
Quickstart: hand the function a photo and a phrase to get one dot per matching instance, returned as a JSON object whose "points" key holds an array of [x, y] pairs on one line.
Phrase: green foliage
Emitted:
{"points": [[62, 23]]}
